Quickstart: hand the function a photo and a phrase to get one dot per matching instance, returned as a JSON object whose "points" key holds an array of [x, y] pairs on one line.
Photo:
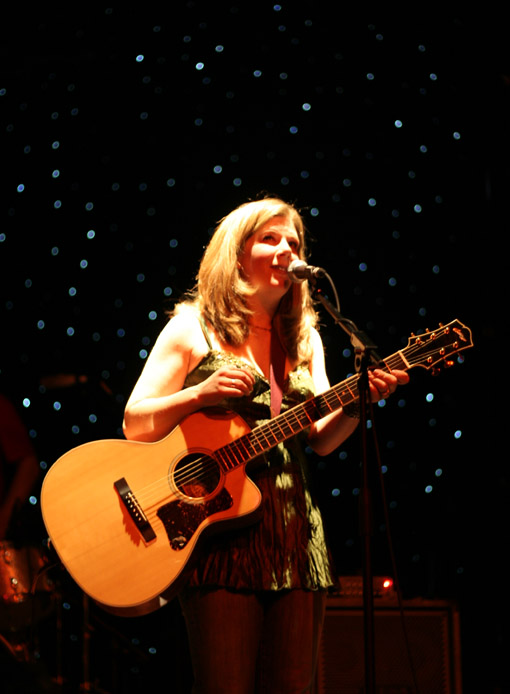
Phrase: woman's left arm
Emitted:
{"points": [[331, 431]]}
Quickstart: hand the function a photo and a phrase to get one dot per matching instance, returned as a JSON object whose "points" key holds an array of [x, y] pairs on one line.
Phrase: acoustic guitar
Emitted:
{"points": [[125, 517]]}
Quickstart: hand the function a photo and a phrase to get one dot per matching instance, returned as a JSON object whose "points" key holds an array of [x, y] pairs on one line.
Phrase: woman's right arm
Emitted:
{"points": [[158, 401]]}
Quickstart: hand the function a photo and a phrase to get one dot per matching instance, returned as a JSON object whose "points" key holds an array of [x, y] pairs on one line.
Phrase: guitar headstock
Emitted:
{"points": [[437, 347]]}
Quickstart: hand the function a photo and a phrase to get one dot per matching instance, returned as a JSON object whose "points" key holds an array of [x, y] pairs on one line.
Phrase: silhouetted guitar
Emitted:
{"points": [[125, 517]]}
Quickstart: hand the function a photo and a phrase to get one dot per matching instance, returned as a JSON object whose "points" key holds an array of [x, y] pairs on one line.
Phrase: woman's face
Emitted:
{"points": [[268, 253]]}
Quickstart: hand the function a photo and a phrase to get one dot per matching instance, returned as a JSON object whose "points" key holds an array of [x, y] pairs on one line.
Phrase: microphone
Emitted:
{"points": [[299, 271]]}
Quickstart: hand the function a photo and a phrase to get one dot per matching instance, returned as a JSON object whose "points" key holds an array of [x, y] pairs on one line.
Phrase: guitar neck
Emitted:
{"points": [[426, 350], [286, 425]]}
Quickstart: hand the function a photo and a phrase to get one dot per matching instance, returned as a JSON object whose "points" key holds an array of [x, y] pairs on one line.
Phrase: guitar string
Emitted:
{"points": [[189, 472], [334, 394], [213, 466], [259, 439], [258, 434]]}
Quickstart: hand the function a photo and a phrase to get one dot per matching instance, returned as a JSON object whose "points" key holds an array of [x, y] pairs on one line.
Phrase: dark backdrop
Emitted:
{"points": [[127, 134]]}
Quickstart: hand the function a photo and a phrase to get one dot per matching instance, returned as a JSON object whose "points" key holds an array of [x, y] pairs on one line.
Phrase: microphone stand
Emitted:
{"points": [[364, 350]]}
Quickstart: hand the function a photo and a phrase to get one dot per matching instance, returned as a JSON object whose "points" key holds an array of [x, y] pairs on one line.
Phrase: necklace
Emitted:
{"points": [[260, 327]]}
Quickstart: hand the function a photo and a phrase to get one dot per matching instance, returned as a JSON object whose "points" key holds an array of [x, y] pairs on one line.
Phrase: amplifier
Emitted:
{"points": [[352, 587], [433, 634]]}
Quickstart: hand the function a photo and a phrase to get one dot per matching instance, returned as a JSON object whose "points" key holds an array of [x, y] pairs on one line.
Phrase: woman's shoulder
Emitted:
{"points": [[183, 328], [316, 341]]}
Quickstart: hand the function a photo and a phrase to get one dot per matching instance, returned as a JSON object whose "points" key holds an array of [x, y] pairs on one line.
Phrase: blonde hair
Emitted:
{"points": [[221, 294]]}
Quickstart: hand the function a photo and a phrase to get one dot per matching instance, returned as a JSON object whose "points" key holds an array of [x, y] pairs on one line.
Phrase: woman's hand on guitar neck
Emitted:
{"points": [[382, 384]]}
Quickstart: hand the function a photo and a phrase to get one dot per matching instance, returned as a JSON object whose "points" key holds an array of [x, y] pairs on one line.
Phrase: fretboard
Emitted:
{"points": [[287, 424]]}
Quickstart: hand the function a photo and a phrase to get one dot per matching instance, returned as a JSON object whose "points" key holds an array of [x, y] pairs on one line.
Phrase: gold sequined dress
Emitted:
{"points": [[287, 547]]}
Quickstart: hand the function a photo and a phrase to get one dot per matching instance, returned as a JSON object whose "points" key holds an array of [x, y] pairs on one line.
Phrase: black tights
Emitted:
{"points": [[253, 643]]}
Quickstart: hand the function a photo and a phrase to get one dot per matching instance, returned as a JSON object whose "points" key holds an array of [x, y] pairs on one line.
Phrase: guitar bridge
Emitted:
{"points": [[135, 511]]}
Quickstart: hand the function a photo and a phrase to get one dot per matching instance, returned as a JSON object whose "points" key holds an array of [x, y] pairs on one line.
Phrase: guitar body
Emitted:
{"points": [[124, 545]]}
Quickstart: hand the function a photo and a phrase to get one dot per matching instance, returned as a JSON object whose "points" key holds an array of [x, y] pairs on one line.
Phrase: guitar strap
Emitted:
{"points": [[276, 372]]}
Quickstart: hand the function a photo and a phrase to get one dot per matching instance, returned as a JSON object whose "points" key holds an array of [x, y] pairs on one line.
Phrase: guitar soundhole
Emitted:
{"points": [[197, 475]]}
